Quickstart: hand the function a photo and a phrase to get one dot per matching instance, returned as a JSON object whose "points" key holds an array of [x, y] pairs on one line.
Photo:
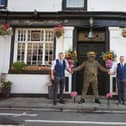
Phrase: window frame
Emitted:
{"points": [[65, 8], [26, 42], [4, 6]]}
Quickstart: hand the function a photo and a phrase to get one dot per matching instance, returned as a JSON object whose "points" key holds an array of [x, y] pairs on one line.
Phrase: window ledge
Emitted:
{"points": [[32, 70]]}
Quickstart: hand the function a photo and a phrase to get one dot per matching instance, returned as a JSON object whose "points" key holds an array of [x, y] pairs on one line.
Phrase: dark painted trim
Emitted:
{"points": [[35, 95], [62, 14], [77, 19], [54, 56], [107, 49], [30, 72], [12, 49]]}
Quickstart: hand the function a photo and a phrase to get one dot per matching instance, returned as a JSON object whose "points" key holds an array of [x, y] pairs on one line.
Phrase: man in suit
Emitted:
{"points": [[58, 75], [120, 71]]}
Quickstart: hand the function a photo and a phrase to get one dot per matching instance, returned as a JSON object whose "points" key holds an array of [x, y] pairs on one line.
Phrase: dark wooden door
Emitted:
{"points": [[82, 48]]}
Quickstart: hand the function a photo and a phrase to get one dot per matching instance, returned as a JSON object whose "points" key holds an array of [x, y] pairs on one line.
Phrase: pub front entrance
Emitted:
{"points": [[99, 44]]}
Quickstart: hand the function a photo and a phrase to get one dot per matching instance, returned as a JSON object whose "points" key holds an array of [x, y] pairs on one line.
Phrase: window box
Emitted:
{"points": [[74, 5], [32, 69]]}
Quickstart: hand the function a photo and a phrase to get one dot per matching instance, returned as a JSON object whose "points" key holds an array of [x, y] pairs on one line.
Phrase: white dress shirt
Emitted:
{"points": [[54, 64]]}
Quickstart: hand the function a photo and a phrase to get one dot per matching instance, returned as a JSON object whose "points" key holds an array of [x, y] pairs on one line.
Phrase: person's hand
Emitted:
{"points": [[111, 73], [52, 77], [69, 70], [72, 71]]}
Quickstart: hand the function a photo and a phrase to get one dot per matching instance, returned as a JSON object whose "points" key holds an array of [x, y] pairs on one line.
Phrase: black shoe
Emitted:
{"points": [[61, 101], [54, 102], [81, 101], [124, 103], [97, 101], [120, 102]]}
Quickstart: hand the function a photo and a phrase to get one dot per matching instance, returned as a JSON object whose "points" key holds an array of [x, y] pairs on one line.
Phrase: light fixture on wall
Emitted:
{"points": [[90, 34], [35, 13], [91, 23]]}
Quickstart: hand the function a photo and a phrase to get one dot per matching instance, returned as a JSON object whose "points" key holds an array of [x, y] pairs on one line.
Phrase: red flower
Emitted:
{"points": [[6, 26], [59, 27]]}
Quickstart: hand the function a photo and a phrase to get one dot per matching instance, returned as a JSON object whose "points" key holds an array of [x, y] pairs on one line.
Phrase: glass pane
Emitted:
{"points": [[97, 37], [48, 53], [74, 3], [49, 36], [21, 49], [35, 53], [21, 35], [2, 2], [35, 36]]}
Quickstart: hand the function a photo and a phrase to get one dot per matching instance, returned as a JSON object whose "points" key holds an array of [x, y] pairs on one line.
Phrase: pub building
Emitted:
{"points": [[97, 25]]}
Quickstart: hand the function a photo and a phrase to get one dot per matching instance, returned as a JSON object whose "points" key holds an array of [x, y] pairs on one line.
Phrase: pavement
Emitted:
{"points": [[45, 104]]}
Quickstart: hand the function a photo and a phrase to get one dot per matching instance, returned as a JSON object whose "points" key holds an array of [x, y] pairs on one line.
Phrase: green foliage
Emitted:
{"points": [[71, 54], [5, 29], [6, 84], [18, 66]]}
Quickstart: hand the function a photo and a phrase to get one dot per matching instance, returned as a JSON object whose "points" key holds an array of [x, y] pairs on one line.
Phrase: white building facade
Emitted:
{"points": [[33, 41]]}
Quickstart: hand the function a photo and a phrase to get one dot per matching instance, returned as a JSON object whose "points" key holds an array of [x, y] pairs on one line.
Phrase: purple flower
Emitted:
{"points": [[73, 94], [109, 95], [108, 63]]}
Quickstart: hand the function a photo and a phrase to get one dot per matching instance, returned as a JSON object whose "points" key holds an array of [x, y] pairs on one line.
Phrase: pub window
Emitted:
{"points": [[74, 4], [3, 3], [34, 47]]}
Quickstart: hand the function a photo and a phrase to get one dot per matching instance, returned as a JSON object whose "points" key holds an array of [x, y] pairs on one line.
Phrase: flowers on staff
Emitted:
{"points": [[109, 96], [109, 57], [71, 57], [58, 31], [5, 29]]}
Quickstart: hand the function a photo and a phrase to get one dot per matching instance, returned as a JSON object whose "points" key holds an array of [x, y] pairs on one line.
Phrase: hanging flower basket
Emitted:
{"points": [[71, 57], [5, 29], [59, 31], [108, 57]]}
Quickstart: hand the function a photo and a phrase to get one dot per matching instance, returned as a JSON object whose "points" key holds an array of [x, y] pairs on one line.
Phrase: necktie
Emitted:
{"points": [[61, 62], [121, 65]]}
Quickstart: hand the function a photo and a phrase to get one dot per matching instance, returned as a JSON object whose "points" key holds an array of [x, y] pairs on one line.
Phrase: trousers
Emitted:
{"points": [[121, 84], [59, 83]]}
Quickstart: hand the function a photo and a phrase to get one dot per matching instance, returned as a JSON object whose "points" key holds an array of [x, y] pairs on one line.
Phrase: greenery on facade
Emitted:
{"points": [[5, 29]]}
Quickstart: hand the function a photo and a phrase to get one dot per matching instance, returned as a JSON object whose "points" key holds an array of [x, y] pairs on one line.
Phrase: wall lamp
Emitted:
{"points": [[91, 24], [35, 13]]}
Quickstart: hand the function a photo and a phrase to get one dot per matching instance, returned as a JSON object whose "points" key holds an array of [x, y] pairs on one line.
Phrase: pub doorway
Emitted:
{"points": [[99, 44]]}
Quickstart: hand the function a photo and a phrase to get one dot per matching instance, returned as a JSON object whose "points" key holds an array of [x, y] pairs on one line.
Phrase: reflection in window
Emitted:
{"points": [[74, 3], [3, 3], [35, 47]]}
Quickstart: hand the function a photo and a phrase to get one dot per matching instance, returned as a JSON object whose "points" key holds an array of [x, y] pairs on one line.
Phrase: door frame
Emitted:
{"points": [[75, 40]]}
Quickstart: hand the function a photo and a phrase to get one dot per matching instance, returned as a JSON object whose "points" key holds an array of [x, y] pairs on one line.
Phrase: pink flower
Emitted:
{"points": [[108, 63], [73, 94], [71, 63], [109, 95]]}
